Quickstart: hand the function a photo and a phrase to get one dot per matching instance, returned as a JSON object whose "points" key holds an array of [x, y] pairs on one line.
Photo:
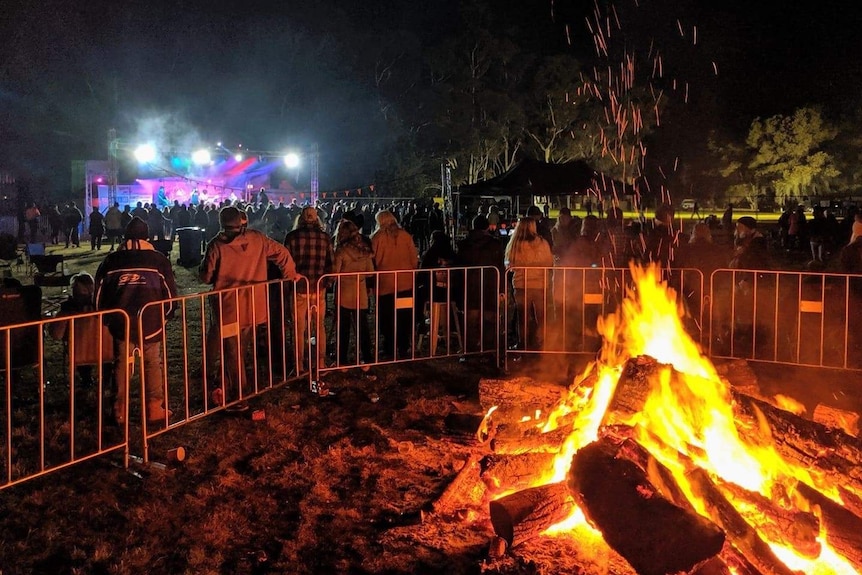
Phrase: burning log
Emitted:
{"points": [[633, 388], [832, 452], [843, 528], [525, 514], [792, 528], [847, 421], [464, 490], [511, 444], [800, 439], [740, 533], [518, 397], [654, 535], [514, 472]]}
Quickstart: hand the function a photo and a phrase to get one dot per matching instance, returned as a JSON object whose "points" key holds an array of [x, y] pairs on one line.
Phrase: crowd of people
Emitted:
{"points": [[249, 244]]}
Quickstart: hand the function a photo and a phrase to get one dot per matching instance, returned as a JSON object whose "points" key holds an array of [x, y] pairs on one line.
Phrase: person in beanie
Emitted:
{"points": [[237, 257], [128, 279]]}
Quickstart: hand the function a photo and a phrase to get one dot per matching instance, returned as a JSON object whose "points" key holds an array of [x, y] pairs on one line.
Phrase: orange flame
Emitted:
{"points": [[689, 412]]}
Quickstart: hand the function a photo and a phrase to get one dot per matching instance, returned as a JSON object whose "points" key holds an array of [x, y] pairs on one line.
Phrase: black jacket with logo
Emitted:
{"points": [[130, 278]]}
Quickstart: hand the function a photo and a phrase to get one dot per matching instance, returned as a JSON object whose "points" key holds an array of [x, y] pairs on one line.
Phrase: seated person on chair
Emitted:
{"points": [[128, 279], [86, 330]]}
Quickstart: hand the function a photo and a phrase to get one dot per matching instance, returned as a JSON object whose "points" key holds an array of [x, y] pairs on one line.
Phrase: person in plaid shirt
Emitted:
{"points": [[311, 248]]}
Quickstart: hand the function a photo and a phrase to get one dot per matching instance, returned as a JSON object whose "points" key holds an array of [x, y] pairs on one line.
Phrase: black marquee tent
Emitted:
{"points": [[531, 177]]}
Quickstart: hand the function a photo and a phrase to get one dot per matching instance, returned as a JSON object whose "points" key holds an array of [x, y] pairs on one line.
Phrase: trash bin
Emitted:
{"points": [[190, 246]]}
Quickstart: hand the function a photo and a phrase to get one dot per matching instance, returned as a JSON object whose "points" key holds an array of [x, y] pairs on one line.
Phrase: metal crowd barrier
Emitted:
{"points": [[57, 408], [218, 349], [58, 405], [797, 318], [376, 318], [558, 311]]}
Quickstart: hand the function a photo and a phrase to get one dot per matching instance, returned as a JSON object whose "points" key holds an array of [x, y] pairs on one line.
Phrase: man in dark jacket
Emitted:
{"points": [[129, 279], [483, 287], [72, 218]]}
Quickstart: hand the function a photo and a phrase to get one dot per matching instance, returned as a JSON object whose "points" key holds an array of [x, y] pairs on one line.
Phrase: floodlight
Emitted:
{"points": [[145, 153], [201, 157], [237, 157], [291, 160]]}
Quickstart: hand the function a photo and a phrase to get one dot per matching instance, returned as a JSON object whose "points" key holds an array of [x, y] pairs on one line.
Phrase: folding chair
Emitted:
{"points": [[31, 251], [50, 271]]}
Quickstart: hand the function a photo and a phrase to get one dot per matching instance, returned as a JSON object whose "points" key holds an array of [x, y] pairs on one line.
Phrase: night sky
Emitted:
{"points": [[277, 75]]}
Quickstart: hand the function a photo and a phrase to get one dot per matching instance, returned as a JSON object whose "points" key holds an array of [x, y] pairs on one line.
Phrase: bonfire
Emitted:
{"points": [[654, 453]]}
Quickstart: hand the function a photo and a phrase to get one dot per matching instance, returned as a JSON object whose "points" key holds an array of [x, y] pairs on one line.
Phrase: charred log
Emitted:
{"points": [[514, 472], [739, 532], [519, 396], [464, 490], [843, 528], [465, 427], [654, 535], [514, 444], [525, 514], [846, 421], [792, 528]]}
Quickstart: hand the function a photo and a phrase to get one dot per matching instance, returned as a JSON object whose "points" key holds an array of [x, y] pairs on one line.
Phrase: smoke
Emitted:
{"points": [[169, 132]]}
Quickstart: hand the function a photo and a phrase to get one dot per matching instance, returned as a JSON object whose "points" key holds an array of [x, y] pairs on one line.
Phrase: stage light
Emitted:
{"points": [[145, 153], [291, 160], [201, 157], [238, 157]]}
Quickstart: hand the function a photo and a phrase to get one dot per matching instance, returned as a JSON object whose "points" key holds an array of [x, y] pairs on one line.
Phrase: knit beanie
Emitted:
{"points": [[137, 229]]}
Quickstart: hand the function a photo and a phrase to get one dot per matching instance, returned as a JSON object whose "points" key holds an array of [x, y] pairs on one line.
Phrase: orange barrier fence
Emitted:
{"points": [[59, 405]]}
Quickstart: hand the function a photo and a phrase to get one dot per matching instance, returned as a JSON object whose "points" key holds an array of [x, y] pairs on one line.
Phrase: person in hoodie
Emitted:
{"points": [[527, 249], [129, 279], [352, 255], [237, 257], [482, 287]]}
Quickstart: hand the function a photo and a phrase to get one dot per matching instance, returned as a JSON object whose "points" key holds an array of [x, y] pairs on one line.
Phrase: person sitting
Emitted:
{"points": [[85, 334]]}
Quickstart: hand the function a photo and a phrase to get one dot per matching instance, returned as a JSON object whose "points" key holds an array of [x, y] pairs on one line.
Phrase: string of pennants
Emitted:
{"points": [[339, 194]]}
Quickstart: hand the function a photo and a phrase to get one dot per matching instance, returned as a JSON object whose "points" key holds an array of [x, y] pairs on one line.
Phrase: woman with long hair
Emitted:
{"points": [[353, 255], [527, 249]]}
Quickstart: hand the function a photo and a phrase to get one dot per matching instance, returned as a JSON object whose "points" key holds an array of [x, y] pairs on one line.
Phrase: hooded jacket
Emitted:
{"points": [[130, 278], [235, 260], [351, 289]]}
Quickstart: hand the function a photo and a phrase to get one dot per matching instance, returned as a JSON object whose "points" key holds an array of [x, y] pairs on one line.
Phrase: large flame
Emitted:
{"points": [[688, 413]]}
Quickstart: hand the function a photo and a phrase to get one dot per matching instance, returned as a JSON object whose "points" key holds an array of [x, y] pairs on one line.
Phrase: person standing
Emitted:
{"points": [[96, 229], [484, 287], [32, 215], [311, 248], [129, 279], [353, 255], [527, 249], [55, 222], [72, 218], [394, 250], [235, 258], [114, 224]]}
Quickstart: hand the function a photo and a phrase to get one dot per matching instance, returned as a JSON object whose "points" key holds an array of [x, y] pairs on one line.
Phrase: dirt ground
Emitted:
{"points": [[321, 485]]}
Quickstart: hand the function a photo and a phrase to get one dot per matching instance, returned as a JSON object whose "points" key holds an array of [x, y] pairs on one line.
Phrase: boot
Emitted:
{"points": [[156, 410]]}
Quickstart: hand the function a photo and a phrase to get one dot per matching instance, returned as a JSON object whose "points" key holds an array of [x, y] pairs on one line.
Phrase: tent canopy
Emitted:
{"points": [[531, 177]]}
